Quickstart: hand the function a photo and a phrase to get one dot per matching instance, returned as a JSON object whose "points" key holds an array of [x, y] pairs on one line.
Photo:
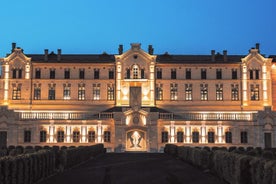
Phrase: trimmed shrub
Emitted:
{"points": [[171, 149], [267, 154]]}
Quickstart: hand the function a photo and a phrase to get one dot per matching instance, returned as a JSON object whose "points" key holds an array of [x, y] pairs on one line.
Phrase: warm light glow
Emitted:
{"points": [[203, 134], [172, 133], [83, 133], [128, 119], [51, 132], [99, 132], [68, 134]]}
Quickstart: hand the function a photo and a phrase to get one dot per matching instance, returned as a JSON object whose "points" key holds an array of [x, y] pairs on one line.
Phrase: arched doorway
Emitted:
{"points": [[136, 140]]}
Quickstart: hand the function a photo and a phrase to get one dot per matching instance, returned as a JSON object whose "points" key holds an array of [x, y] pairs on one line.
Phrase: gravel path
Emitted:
{"points": [[133, 168]]}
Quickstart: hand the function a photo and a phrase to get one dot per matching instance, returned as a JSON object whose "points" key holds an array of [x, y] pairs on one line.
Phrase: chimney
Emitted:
{"points": [[46, 54], [258, 47], [120, 49], [213, 55], [150, 49], [59, 54], [13, 46], [225, 55]]}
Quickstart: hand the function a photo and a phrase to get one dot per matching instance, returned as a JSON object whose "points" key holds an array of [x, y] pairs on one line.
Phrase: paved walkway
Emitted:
{"points": [[133, 168]]}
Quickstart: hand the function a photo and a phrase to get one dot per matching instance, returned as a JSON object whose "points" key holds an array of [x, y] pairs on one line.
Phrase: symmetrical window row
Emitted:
{"points": [[210, 137], [67, 92], [254, 92], [203, 74], [67, 73], [60, 136]]}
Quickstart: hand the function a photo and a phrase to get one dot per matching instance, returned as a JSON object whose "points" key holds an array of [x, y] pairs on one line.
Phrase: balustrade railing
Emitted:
{"points": [[209, 116], [63, 116]]}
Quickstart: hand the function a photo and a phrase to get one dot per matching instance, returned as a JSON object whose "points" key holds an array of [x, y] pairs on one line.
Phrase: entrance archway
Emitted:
{"points": [[136, 140]]}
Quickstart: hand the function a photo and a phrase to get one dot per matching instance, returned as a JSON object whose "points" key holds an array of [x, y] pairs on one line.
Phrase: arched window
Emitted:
{"points": [[135, 72], [76, 136], [228, 136], [211, 136], [180, 136], [195, 136]]}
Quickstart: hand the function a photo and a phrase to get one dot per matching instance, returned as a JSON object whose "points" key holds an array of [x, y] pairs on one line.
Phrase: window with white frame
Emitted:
{"points": [[234, 92], [188, 92], [204, 92], [219, 92], [96, 91], [173, 91]]}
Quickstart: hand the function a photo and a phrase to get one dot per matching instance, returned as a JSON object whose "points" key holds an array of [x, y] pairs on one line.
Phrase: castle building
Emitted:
{"points": [[136, 100]]}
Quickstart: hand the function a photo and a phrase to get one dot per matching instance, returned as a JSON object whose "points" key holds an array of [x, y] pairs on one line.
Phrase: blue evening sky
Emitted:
{"points": [[174, 26]]}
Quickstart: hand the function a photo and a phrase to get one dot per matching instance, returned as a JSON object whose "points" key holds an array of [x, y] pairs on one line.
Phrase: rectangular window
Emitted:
{"points": [[188, 92], [67, 92], [110, 92], [37, 92], [173, 73], [142, 73], [204, 92], [107, 136], [81, 73], [234, 74], [243, 137], [81, 92], [173, 91], [52, 93], [111, 74], [159, 73], [91, 136], [37, 73], [128, 73], [234, 92], [165, 137], [14, 71], [159, 92], [76, 136], [203, 73], [27, 136], [251, 74], [257, 74], [195, 137], [20, 73], [67, 73], [228, 137], [96, 91], [219, 92], [52, 73], [60, 136], [16, 93], [43, 136], [211, 137], [180, 136], [219, 74], [254, 92], [96, 73], [188, 73]]}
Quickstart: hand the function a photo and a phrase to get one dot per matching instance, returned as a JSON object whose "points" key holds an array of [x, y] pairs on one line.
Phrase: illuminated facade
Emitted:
{"points": [[136, 100]]}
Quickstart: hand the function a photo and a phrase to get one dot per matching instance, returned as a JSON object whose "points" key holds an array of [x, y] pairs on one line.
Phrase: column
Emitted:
{"points": [[244, 84], [203, 132], [6, 83], [172, 133], [99, 132], [220, 132], [68, 134], [188, 132], [83, 134]]}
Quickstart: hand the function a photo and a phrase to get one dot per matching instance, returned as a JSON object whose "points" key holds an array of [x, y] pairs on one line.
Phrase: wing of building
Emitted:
{"points": [[136, 100]]}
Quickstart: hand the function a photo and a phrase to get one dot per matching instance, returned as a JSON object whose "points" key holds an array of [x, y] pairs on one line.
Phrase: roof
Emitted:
{"points": [[273, 58], [73, 58], [219, 58]]}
